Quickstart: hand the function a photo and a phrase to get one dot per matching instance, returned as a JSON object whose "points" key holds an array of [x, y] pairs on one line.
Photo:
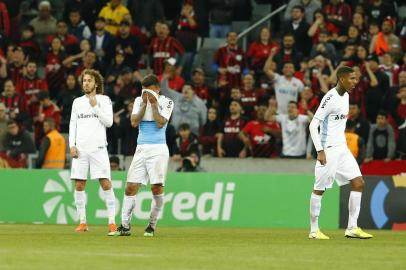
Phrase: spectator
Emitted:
{"points": [[185, 30], [391, 69], [113, 13], [115, 163], [377, 90], [3, 125], [379, 10], [77, 26], [69, 92], [116, 68], [70, 42], [324, 47], [30, 86], [124, 131], [224, 104], [386, 41], [89, 61], [361, 125], [249, 96], [189, 108], [14, 102], [288, 52], [321, 22], [102, 42], [163, 47], [146, 13], [358, 20], [44, 24], [338, 11], [186, 143], [308, 101], [381, 141], [17, 144], [88, 9], [125, 88], [230, 62], [310, 6], [298, 26], [287, 88], [175, 81], [52, 152], [16, 63], [294, 129], [54, 70], [400, 107], [259, 51], [320, 69], [229, 143], [200, 87], [29, 43], [47, 109], [129, 44], [354, 142], [260, 136], [209, 132], [5, 20], [220, 18]]}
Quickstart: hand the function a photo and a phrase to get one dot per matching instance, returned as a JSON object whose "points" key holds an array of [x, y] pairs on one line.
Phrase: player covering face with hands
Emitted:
{"points": [[151, 112], [91, 114], [334, 159]]}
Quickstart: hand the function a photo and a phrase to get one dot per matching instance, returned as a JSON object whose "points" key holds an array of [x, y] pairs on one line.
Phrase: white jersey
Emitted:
{"points": [[149, 132], [333, 111], [285, 91], [87, 128], [293, 134]]}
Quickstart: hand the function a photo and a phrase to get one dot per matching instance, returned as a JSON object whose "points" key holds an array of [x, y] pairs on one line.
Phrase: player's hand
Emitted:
{"points": [[145, 97], [309, 156], [92, 101], [220, 152], [321, 157], [152, 99], [74, 152]]}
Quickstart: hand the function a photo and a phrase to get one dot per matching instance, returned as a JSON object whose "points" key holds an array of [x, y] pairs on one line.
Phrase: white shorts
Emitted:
{"points": [[99, 165], [341, 166], [150, 163]]}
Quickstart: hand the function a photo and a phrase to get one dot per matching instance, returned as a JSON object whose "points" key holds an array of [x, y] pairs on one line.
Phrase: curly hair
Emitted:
{"points": [[97, 77]]}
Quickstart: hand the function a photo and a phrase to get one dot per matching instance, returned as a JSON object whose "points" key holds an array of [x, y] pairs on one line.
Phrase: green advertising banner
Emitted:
{"points": [[191, 199]]}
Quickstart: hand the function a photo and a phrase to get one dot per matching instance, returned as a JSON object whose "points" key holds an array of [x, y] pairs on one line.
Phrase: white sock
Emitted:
{"points": [[111, 205], [156, 208], [80, 202], [127, 210], [354, 205], [315, 206]]}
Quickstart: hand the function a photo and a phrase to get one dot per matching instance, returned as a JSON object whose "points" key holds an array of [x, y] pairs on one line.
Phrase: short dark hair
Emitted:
{"points": [[184, 126], [289, 63], [342, 71], [382, 113], [115, 159], [301, 8], [150, 80], [292, 102], [350, 125]]}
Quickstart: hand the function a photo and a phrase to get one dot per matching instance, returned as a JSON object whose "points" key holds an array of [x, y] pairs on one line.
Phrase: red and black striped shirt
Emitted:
{"points": [[160, 50], [29, 89], [55, 75], [234, 60], [15, 103]]}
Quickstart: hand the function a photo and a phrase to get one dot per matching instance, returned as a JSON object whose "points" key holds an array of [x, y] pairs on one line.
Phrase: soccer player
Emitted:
{"points": [[151, 112], [334, 159], [91, 114]]}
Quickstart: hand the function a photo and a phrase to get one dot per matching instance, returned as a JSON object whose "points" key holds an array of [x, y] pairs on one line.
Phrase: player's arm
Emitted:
{"points": [[72, 132], [104, 110], [138, 110], [314, 132], [160, 118]]}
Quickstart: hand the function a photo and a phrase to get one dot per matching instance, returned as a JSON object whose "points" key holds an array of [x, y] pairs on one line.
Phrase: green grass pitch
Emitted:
{"points": [[59, 247]]}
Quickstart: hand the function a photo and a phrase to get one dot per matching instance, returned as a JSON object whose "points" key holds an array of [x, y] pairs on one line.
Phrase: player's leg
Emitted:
{"points": [[137, 176], [157, 166], [324, 175], [348, 171], [110, 202], [79, 170]]}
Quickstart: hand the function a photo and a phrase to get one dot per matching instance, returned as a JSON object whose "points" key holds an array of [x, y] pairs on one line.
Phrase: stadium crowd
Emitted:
{"points": [[259, 102]]}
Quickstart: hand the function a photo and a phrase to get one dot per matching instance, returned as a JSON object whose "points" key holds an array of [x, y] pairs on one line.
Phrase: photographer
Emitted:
{"points": [[186, 150]]}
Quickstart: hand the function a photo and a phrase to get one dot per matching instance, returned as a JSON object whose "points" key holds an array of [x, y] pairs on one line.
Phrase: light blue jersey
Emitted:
{"points": [[149, 133]]}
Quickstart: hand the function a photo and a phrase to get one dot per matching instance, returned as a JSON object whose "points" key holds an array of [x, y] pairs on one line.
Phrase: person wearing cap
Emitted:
{"points": [[113, 13], [200, 87], [44, 24], [377, 89], [386, 41], [52, 151], [129, 44], [47, 109], [175, 81], [102, 41]]}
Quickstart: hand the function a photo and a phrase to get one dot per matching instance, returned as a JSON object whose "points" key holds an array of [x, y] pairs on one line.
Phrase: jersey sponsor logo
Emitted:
{"points": [[325, 101], [162, 55], [340, 117], [232, 130], [85, 116]]}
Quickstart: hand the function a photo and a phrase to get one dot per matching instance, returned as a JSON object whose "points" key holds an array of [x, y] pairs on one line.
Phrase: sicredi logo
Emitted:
{"points": [[184, 206]]}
